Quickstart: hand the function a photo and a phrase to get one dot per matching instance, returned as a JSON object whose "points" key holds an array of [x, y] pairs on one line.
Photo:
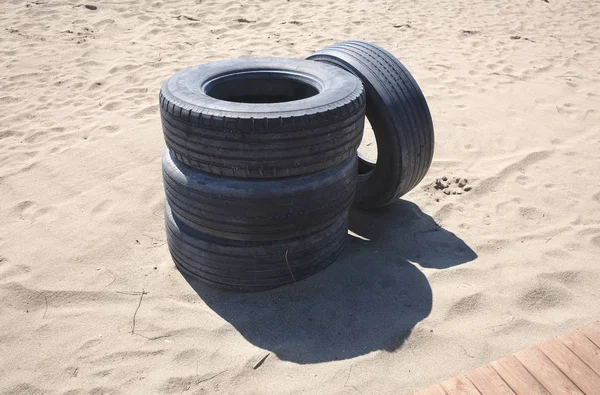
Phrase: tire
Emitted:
{"points": [[399, 115], [262, 117], [252, 266], [246, 209]]}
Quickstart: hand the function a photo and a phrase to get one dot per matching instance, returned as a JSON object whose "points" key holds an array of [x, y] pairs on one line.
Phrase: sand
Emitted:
{"points": [[435, 285]]}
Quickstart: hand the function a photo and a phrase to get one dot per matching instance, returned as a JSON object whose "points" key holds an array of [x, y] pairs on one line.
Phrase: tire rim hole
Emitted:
{"points": [[367, 151], [262, 86]]}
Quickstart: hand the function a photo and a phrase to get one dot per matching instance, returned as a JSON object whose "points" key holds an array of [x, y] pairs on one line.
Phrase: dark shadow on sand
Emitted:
{"points": [[368, 300]]}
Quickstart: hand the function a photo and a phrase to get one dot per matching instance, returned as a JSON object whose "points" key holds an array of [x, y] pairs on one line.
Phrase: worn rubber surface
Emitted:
{"points": [[252, 266], [399, 115], [258, 209], [279, 137]]}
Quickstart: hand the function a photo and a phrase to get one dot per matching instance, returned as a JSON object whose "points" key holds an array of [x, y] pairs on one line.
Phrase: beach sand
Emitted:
{"points": [[435, 285]]}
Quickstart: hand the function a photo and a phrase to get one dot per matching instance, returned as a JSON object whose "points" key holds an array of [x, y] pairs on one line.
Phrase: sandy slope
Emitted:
{"points": [[513, 261]]}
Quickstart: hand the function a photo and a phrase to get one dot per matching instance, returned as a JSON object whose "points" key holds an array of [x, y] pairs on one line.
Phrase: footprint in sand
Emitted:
{"points": [[542, 297], [466, 305]]}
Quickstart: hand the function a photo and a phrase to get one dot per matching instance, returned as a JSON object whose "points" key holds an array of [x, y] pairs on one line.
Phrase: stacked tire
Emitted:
{"points": [[261, 164], [260, 168]]}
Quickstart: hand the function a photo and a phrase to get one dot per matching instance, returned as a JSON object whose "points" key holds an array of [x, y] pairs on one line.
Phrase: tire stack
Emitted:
{"points": [[261, 164], [260, 170]]}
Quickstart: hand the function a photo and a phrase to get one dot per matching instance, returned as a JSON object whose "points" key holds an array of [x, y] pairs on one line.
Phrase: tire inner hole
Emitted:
{"points": [[367, 150], [262, 87]]}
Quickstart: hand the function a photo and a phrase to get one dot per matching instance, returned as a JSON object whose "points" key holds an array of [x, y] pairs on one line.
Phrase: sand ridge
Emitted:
{"points": [[434, 286]]}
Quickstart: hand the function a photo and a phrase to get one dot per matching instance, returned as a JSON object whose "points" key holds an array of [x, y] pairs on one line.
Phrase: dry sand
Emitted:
{"points": [[439, 284]]}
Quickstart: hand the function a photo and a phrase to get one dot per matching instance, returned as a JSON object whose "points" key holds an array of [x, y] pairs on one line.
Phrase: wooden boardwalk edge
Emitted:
{"points": [[566, 364]]}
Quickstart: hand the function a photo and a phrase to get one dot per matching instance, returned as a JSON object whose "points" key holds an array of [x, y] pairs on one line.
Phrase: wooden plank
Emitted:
{"points": [[546, 372], [488, 381], [574, 368], [592, 332], [433, 390], [583, 347], [460, 385], [566, 365], [517, 377]]}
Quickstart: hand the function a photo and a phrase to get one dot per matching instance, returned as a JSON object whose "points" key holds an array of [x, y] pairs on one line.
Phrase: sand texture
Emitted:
{"points": [[437, 284]]}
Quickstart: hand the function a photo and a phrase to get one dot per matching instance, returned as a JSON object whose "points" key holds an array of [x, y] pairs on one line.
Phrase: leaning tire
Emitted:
{"points": [[399, 115], [245, 209], [262, 118], [252, 266]]}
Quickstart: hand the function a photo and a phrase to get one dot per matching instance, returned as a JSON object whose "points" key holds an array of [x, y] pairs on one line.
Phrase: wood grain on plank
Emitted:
{"points": [[583, 347], [488, 381], [566, 365], [519, 378], [546, 372], [460, 385], [574, 368], [592, 331]]}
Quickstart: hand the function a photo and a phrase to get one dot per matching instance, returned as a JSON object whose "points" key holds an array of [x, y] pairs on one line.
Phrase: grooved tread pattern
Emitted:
{"points": [[252, 265], [268, 144], [403, 128], [244, 209]]}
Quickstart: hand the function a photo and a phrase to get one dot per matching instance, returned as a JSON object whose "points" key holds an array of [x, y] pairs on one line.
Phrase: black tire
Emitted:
{"points": [[399, 115], [250, 265], [246, 209], [262, 117]]}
